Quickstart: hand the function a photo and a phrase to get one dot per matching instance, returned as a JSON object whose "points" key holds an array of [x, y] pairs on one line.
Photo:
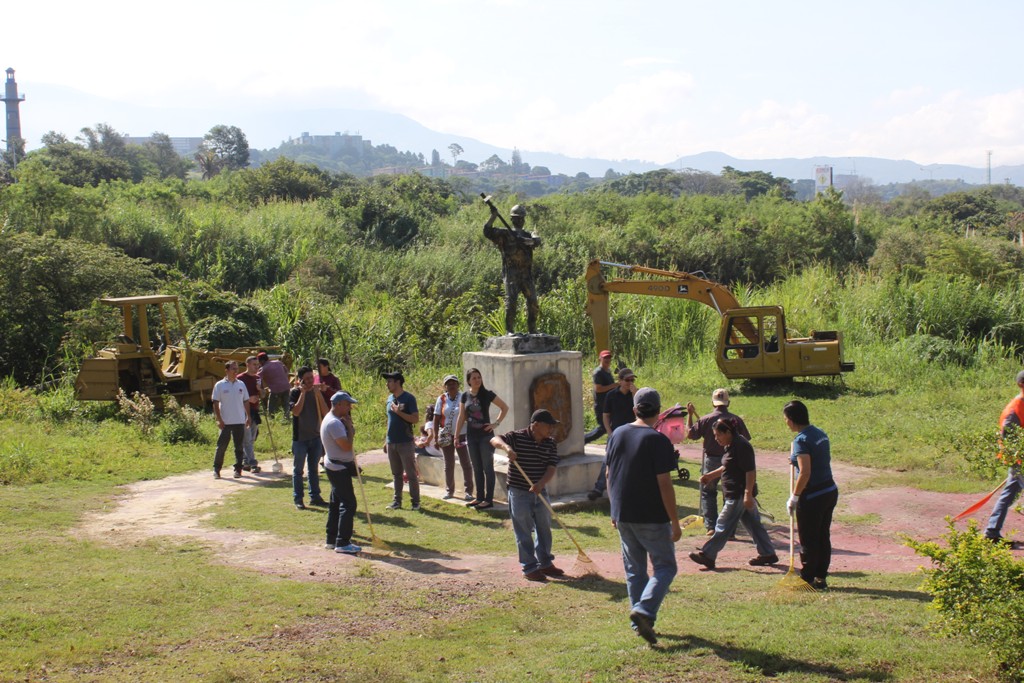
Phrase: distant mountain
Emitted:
{"points": [[49, 107]]}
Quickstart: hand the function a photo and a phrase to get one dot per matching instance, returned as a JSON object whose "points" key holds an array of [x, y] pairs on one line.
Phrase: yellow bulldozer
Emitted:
{"points": [[156, 366], [752, 340]]}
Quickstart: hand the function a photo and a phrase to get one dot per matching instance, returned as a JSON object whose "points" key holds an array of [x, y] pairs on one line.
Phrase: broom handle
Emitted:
{"points": [[366, 505], [792, 487], [548, 505]]}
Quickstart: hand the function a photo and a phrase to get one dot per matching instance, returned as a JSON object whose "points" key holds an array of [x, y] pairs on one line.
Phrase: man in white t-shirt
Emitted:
{"points": [[337, 434], [231, 408]]}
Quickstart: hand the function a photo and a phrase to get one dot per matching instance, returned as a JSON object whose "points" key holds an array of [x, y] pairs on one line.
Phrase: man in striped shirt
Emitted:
{"points": [[537, 455]]}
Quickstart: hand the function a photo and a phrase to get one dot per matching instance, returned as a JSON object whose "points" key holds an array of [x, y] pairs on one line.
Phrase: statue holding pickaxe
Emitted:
{"points": [[516, 247]]}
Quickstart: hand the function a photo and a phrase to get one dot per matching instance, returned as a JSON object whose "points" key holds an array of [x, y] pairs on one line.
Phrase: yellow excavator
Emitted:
{"points": [[158, 367], [752, 340]]}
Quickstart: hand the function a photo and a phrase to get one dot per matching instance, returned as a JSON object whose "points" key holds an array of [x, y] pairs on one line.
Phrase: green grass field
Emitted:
{"points": [[72, 608]]}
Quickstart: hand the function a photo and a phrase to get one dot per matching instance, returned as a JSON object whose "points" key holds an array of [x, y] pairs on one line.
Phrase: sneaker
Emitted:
{"points": [[552, 571], [328, 546], [593, 494], [318, 501], [764, 560], [256, 469], [300, 506], [216, 474], [700, 558], [644, 627], [819, 585], [350, 549], [395, 505], [448, 496], [415, 507], [238, 474], [473, 503], [247, 468], [469, 497], [535, 575]]}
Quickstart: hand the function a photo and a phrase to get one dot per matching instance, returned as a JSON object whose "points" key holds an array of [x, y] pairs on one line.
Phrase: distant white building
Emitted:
{"points": [[185, 147], [355, 144]]}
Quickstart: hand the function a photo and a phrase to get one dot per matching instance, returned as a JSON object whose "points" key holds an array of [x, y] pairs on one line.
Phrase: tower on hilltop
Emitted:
{"points": [[12, 101]]}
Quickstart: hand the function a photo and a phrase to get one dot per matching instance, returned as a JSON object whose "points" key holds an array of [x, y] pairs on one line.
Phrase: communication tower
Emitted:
{"points": [[12, 100]]}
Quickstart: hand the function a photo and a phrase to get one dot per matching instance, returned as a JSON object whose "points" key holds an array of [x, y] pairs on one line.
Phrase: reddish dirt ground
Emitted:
{"points": [[178, 506]]}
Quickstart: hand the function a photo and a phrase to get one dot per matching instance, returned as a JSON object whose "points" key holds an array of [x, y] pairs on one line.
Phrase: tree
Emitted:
{"points": [[755, 183], [493, 164], [208, 162], [435, 158], [159, 151], [229, 145], [455, 149]]}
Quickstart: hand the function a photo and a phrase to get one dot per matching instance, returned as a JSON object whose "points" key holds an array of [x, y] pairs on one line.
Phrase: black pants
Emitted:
{"points": [[598, 431], [814, 522], [234, 433], [341, 511]]}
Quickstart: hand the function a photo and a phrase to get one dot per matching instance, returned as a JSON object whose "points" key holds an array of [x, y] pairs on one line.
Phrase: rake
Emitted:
{"points": [[584, 566], [277, 468], [792, 581], [375, 540]]}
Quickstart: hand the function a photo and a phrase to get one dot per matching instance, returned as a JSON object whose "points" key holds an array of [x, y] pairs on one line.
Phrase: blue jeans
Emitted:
{"points": [[481, 454], [249, 444], [638, 542], [1003, 503], [306, 453], [732, 514], [709, 493], [529, 516], [602, 482]]}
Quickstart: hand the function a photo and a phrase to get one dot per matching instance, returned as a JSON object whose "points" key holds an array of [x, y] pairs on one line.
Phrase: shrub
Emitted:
{"points": [[978, 590], [932, 349], [137, 410], [180, 424]]}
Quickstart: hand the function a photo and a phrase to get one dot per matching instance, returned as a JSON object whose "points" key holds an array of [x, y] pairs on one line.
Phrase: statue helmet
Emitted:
{"points": [[518, 210]]}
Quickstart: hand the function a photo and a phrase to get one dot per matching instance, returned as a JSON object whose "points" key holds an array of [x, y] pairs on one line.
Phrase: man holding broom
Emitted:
{"points": [[640, 463], [537, 455]]}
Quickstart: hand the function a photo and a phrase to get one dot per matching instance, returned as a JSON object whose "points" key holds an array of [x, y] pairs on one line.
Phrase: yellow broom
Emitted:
{"points": [[584, 566], [792, 581], [375, 541]]}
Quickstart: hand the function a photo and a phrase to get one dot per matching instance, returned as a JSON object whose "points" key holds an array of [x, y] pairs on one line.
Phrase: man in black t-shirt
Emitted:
{"points": [[640, 462], [537, 454], [603, 383], [618, 410]]}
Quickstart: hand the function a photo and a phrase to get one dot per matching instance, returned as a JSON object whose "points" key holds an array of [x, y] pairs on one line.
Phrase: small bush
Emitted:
{"points": [[180, 424], [137, 410], [978, 590], [932, 349], [15, 404]]}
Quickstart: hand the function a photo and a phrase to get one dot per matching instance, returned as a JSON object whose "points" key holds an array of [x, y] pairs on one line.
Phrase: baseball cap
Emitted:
{"points": [[648, 396], [449, 378], [394, 375], [544, 416], [605, 354], [262, 355], [340, 396], [626, 373], [1020, 377], [720, 397]]}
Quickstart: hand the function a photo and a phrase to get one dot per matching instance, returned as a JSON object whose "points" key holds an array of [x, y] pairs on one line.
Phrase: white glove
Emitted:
{"points": [[792, 503]]}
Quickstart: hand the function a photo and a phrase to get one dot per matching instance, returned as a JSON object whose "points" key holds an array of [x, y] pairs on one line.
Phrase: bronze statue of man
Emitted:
{"points": [[516, 247]]}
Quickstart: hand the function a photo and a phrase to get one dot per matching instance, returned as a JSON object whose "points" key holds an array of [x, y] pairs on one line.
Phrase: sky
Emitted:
{"points": [[934, 82]]}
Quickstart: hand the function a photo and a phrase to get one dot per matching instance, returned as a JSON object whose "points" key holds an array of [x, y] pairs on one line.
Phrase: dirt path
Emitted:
{"points": [[179, 506]]}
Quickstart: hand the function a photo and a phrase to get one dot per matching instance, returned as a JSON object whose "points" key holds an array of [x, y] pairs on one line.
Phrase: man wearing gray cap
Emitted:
{"points": [[337, 433], [1010, 419], [640, 463], [537, 455], [712, 451]]}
